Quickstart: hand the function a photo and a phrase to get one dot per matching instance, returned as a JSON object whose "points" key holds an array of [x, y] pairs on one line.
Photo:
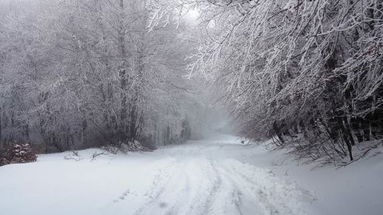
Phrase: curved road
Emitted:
{"points": [[210, 177]]}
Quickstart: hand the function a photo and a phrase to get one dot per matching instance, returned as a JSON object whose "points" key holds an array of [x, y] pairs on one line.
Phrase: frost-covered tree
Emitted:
{"points": [[295, 68], [86, 73], [300, 67]]}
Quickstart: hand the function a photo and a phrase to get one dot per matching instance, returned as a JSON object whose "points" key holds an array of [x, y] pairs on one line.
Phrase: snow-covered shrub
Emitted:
{"points": [[124, 147], [111, 149], [73, 156], [132, 146], [3, 161], [148, 143], [18, 153]]}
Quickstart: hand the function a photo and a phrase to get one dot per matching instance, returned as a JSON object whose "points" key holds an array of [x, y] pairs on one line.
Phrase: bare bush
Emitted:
{"points": [[18, 153]]}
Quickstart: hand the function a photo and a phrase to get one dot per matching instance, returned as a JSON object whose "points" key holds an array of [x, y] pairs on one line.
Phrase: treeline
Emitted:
{"points": [[84, 73], [307, 73]]}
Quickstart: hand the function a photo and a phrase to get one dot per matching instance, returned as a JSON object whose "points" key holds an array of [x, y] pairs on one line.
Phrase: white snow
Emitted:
{"points": [[212, 176]]}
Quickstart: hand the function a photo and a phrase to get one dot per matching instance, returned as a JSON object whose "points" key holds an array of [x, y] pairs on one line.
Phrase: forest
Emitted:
{"points": [[77, 74], [191, 107]]}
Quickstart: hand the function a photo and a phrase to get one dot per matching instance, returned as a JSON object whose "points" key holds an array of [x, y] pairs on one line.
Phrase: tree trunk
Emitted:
{"points": [[123, 73]]}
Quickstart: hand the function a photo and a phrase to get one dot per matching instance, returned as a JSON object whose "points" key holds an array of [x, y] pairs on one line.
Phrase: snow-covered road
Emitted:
{"points": [[207, 177], [200, 177]]}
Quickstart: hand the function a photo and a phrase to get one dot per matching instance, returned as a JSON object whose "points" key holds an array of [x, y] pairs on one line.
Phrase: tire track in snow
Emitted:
{"points": [[171, 195], [160, 183], [274, 195], [182, 183], [256, 191], [217, 184], [199, 177], [202, 183], [162, 173], [235, 194], [228, 187], [196, 201], [229, 199]]}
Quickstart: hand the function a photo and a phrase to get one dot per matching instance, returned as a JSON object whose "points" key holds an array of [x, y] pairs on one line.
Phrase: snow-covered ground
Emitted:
{"points": [[218, 175]]}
